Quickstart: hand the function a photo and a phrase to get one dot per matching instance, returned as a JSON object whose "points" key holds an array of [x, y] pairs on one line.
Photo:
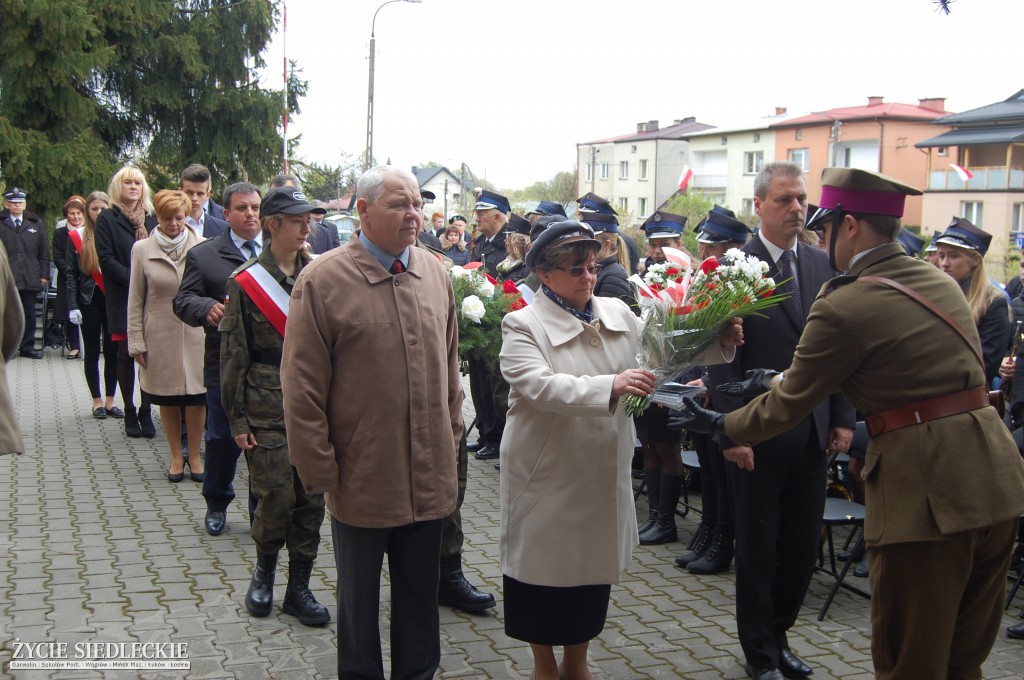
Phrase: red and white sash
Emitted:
{"points": [[76, 239], [266, 293]]}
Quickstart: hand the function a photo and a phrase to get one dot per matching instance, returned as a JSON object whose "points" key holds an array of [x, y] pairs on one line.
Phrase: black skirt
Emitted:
{"points": [[178, 400], [652, 427], [554, 616]]}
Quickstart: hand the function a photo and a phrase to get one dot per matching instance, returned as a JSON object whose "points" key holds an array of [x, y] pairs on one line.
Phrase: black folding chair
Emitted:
{"points": [[841, 512]]}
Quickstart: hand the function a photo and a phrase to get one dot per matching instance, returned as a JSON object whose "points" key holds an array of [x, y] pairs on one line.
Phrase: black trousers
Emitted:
{"points": [[716, 496], [779, 505], [412, 552], [28, 303], [95, 333], [490, 401]]}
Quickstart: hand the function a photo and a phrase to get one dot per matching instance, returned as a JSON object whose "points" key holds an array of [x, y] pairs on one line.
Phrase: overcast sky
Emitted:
{"points": [[511, 86]]}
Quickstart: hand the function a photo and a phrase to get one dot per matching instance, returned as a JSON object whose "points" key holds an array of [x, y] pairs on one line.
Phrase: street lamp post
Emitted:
{"points": [[368, 161]]}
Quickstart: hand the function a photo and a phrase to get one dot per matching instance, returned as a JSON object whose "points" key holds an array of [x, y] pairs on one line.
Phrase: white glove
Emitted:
{"points": [[75, 317]]}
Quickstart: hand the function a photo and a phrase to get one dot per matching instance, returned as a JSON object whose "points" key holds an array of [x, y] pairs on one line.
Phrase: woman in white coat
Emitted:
{"points": [[568, 523]]}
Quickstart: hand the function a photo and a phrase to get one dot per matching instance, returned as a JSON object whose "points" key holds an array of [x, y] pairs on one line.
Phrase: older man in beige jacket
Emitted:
{"points": [[373, 409], [13, 328]]}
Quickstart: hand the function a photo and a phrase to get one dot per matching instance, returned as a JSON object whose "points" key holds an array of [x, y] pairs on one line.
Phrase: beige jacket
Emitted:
{"points": [[174, 350], [13, 328], [567, 512], [372, 397]]}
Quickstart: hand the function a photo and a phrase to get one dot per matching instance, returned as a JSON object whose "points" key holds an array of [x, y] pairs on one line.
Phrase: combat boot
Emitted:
{"points": [[299, 600], [717, 558], [260, 597], [652, 480], [453, 590], [699, 544], [664, 529]]}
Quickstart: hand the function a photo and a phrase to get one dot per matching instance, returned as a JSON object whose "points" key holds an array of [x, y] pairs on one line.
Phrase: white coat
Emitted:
{"points": [[567, 511]]}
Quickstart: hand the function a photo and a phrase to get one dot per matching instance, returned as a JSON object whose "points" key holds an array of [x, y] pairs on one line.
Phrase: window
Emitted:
{"points": [[623, 204], [642, 210], [590, 172], [753, 161], [941, 151], [747, 207], [801, 157], [1018, 217], [623, 169], [633, 149], [725, 140], [757, 136], [971, 211], [643, 169], [799, 135], [603, 171]]}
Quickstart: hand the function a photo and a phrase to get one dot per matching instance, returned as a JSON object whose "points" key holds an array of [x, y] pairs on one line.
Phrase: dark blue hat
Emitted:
{"points": [[566, 231], [519, 225], [963, 234], [427, 195], [15, 195], [934, 244], [721, 226], [543, 223], [601, 223], [285, 200], [593, 203], [911, 242], [488, 200], [664, 225], [548, 208], [811, 209], [451, 220]]}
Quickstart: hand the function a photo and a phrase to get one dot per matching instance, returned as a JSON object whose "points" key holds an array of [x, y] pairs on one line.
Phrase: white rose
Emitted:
{"points": [[484, 287], [473, 308], [459, 272]]}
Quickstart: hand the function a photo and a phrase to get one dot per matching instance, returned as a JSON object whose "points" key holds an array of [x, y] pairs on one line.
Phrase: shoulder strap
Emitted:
{"points": [[931, 307]]}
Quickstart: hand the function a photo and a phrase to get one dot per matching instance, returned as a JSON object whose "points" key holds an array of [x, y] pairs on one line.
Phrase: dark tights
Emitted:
{"points": [[126, 378], [664, 457], [94, 333]]}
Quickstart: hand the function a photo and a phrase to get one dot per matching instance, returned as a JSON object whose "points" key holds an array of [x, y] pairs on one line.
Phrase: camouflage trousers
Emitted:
{"points": [[451, 526], [286, 513]]}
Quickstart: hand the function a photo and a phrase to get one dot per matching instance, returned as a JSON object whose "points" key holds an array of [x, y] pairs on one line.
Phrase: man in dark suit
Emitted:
{"points": [[322, 236], [779, 485], [200, 302], [23, 234], [196, 183]]}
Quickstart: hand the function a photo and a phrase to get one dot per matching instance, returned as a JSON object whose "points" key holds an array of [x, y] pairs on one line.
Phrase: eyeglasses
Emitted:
{"points": [[577, 272]]}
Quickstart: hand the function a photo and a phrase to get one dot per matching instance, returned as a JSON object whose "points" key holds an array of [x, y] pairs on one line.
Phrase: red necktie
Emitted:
{"points": [[397, 267]]}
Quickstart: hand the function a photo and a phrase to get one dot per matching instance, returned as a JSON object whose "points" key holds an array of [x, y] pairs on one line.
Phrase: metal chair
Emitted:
{"points": [[841, 512]]}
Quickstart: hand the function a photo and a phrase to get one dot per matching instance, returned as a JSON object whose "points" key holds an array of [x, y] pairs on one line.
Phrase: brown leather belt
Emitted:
{"points": [[929, 409]]}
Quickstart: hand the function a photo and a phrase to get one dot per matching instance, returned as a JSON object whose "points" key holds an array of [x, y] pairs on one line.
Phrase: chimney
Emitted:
{"points": [[688, 119], [875, 101], [937, 104], [641, 127], [780, 110]]}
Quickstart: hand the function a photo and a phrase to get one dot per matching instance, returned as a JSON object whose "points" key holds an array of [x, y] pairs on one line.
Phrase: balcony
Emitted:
{"points": [[985, 179], [709, 181]]}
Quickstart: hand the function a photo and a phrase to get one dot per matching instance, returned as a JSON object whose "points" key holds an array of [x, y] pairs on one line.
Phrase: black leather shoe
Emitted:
{"points": [[453, 590], [487, 453], [216, 520], [792, 666], [1016, 632], [32, 354], [763, 673], [474, 445], [862, 570]]}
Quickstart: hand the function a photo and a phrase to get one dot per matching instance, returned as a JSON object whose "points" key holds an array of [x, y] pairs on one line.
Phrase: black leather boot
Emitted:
{"points": [[453, 590], [131, 423], [260, 597], [299, 600], [653, 483], [699, 544], [146, 425], [664, 529], [717, 558]]}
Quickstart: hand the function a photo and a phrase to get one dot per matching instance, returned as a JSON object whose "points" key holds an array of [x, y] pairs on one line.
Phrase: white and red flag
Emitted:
{"points": [[684, 179], [963, 173]]}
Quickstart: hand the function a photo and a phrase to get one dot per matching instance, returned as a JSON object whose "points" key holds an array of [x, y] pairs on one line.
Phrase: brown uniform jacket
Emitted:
{"points": [[372, 397], [884, 350], [13, 320]]}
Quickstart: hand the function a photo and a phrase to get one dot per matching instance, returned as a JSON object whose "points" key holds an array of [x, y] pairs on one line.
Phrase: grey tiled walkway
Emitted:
{"points": [[96, 545]]}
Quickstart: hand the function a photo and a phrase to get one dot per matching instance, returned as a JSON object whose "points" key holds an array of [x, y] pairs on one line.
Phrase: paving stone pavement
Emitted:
{"points": [[97, 546]]}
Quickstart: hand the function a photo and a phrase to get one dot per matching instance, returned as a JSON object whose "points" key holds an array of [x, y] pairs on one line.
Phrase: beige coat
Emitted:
{"points": [[567, 512], [174, 350], [13, 328], [372, 396], [882, 350]]}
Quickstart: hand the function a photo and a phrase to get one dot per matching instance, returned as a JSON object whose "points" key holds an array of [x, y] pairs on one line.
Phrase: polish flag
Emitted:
{"points": [[963, 173], [684, 179]]}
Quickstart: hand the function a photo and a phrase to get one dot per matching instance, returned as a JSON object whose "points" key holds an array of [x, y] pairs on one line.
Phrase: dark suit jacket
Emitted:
{"points": [[26, 249], [490, 252], [214, 227], [215, 209], [770, 342], [207, 268], [323, 237], [428, 239]]}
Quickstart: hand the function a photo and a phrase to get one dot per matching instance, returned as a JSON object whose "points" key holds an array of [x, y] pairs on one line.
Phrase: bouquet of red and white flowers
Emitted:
{"points": [[481, 303], [685, 311]]}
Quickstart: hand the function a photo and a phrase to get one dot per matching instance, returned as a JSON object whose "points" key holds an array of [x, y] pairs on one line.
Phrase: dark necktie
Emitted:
{"points": [[17, 223], [251, 245], [397, 267], [788, 270]]}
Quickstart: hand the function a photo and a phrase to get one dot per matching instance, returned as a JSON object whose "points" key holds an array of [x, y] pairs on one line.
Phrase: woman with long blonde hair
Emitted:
{"points": [[962, 249], [87, 308], [118, 228]]}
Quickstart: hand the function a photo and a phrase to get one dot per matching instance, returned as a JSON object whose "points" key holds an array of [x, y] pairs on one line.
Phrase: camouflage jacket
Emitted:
{"points": [[250, 356]]}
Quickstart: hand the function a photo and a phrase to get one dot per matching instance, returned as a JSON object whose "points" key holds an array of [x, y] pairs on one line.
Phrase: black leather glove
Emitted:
{"points": [[758, 381], [697, 419]]}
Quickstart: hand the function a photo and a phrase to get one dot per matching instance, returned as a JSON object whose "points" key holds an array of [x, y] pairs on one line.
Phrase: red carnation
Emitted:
{"points": [[709, 265], [494, 281], [509, 287]]}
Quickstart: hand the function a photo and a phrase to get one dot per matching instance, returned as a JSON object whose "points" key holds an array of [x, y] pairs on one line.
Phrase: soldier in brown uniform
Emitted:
{"points": [[944, 481], [252, 335]]}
